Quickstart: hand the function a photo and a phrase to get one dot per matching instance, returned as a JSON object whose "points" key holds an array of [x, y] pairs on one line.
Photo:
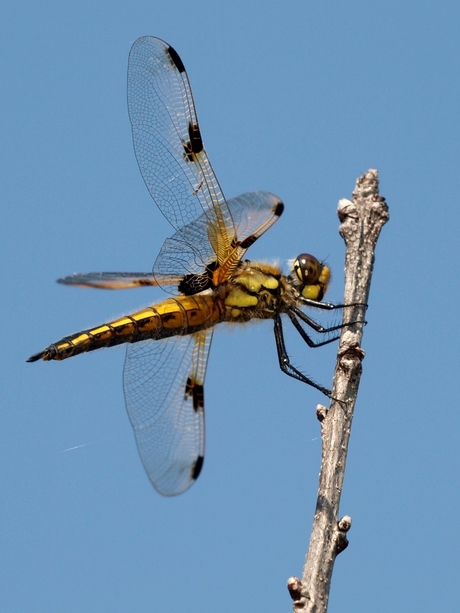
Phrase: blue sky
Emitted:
{"points": [[296, 98]]}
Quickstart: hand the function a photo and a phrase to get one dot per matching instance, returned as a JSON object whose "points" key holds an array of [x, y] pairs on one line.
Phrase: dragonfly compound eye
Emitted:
{"points": [[307, 268]]}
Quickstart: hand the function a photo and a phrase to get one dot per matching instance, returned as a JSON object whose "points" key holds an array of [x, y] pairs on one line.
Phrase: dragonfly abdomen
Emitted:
{"points": [[173, 317]]}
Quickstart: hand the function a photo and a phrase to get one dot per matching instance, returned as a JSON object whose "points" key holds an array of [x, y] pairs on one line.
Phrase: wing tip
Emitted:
{"points": [[279, 208], [175, 59], [196, 468]]}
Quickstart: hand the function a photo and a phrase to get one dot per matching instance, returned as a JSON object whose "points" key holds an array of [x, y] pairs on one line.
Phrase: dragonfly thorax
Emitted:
{"points": [[253, 292]]}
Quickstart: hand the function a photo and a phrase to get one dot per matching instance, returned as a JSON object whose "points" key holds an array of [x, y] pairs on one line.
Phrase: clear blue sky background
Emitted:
{"points": [[297, 98]]}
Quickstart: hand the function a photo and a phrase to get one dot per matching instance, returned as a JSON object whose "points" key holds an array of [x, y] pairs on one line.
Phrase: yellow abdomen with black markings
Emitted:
{"points": [[175, 316]]}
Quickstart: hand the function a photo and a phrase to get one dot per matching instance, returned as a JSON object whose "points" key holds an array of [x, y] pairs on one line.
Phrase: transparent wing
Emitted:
{"points": [[168, 144], [163, 383], [188, 253], [118, 280], [253, 214]]}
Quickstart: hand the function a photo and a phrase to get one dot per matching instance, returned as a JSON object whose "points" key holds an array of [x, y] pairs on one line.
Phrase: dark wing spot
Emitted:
{"points": [[279, 209], [198, 397], [248, 241], [175, 59], [244, 244], [196, 142], [196, 467], [196, 391], [195, 145], [193, 284]]}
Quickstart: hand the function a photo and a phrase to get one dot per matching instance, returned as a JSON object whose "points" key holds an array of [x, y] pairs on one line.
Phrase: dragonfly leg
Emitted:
{"points": [[294, 311], [328, 306], [285, 363], [304, 334]]}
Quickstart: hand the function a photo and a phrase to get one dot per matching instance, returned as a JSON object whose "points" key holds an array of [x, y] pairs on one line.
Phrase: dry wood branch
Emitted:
{"points": [[362, 219]]}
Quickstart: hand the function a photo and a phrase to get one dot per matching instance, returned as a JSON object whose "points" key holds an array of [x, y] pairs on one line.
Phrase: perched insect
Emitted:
{"points": [[201, 264]]}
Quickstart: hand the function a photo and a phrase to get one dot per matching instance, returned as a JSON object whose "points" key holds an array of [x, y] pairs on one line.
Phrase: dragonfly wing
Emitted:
{"points": [[163, 383], [253, 213], [177, 172], [118, 280], [185, 252], [168, 144], [188, 251]]}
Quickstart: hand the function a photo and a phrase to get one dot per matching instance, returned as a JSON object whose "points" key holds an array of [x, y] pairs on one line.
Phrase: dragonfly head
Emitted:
{"points": [[310, 276]]}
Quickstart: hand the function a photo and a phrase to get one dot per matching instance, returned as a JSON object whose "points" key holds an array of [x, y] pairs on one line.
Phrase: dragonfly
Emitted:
{"points": [[203, 269]]}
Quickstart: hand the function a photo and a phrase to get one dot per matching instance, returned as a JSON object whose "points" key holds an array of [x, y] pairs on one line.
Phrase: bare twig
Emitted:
{"points": [[362, 219]]}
